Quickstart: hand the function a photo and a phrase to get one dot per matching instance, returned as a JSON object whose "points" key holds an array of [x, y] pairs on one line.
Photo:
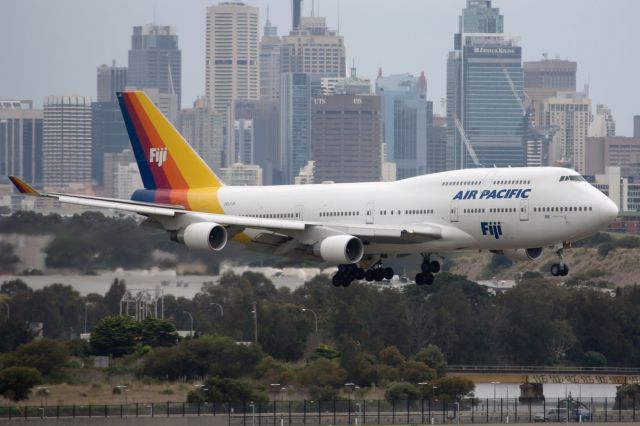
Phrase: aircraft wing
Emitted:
{"points": [[174, 217]]}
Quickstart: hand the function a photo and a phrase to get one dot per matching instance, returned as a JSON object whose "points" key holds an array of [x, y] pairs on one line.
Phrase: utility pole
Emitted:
{"points": [[255, 323]]}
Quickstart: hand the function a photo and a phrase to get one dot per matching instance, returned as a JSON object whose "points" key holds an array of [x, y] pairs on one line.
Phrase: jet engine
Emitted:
{"points": [[531, 254], [340, 249], [202, 236]]}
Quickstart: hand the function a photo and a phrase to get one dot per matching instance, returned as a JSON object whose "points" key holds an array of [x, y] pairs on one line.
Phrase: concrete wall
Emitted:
{"points": [[129, 421]]}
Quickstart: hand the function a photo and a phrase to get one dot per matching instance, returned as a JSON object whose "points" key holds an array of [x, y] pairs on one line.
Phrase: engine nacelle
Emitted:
{"points": [[530, 254], [340, 249], [202, 236]]}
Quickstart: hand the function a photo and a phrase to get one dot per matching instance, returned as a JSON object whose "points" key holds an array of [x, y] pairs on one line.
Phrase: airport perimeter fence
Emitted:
{"points": [[354, 411]]}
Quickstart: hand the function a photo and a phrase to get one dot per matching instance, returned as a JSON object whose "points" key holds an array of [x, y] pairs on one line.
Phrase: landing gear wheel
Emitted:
{"points": [[556, 269], [359, 274], [378, 274], [560, 269], [420, 278], [337, 280], [434, 267], [388, 273], [368, 275], [428, 279], [565, 270]]}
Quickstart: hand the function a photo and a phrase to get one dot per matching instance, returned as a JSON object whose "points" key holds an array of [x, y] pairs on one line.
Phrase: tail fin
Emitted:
{"points": [[165, 159]]}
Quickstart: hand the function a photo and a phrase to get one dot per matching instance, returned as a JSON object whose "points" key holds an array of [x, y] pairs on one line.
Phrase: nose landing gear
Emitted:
{"points": [[560, 269]]}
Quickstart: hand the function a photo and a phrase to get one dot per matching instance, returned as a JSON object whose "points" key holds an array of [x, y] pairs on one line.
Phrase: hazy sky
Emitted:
{"points": [[55, 46]]}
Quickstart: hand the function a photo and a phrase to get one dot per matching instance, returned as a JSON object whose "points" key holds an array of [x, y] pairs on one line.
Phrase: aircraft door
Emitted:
{"points": [[371, 207], [455, 216], [524, 210]]}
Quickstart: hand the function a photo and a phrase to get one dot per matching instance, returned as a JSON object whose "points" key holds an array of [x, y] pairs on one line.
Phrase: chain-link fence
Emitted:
{"points": [[356, 411]]}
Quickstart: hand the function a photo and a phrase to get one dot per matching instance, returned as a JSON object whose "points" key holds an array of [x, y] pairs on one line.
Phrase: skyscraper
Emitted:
{"points": [[111, 79], [232, 54], [313, 48], [485, 111], [636, 126], [265, 117], [202, 127], [108, 132], [543, 79], [346, 134], [570, 114], [602, 124], [270, 46], [66, 149], [297, 90], [406, 122], [21, 141], [155, 62]]}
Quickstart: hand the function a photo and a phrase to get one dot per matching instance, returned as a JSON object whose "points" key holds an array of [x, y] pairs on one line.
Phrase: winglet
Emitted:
{"points": [[23, 187]]}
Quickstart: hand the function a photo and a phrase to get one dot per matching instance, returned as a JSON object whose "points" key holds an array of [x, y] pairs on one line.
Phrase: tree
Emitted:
{"points": [[219, 389], [401, 391], [561, 339], [8, 258], [594, 359], [432, 356], [454, 388], [115, 336], [391, 356], [12, 334], [416, 372], [45, 355], [16, 382], [114, 295], [158, 332], [14, 288]]}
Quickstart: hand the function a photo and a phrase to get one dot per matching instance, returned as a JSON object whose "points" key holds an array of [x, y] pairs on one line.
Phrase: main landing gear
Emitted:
{"points": [[347, 273], [428, 268], [560, 269]]}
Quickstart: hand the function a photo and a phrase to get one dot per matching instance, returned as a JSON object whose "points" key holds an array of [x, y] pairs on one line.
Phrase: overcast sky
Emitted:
{"points": [[54, 47]]}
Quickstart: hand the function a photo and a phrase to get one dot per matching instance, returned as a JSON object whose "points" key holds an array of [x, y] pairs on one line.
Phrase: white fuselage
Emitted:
{"points": [[488, 209]]}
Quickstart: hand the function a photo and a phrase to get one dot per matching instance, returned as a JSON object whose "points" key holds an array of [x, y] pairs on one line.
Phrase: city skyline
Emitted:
{"points": [[542, 25]]}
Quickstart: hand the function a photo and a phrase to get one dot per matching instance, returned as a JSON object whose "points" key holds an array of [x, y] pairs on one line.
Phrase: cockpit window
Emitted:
{"points": [[575, 178]]}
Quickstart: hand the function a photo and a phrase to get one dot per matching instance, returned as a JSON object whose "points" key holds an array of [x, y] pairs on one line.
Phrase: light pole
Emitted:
{"points": [[124, 389], [255, 323], [43, 391], [219, 306], [86, 305], [253, 413], [315, 316], [191, 318], [275, 387], [494, 394]]}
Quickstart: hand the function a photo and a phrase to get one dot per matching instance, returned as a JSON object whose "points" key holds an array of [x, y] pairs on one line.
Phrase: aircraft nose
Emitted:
{"points": [[608, 211]]}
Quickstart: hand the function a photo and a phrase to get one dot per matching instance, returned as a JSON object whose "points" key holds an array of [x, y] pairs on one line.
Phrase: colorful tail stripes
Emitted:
{"points": [[165, 159], [22, 186]]}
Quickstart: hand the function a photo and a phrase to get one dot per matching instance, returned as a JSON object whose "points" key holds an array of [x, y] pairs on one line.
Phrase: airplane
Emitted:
{"points": [[515, 211]]}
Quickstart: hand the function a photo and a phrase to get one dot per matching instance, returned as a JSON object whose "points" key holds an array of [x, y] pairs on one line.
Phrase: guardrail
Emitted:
{"points": [[355, 411], [541, 369]]}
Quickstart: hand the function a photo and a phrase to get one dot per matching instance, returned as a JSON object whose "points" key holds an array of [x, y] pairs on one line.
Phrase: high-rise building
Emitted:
{"points": [[542, 79], [407, 121], [66, 149], [602, 124], [313, 48], [347, 138], [232, 54], [297, 90], [242, 175], [155, 62], [623, 152], [108, 131], [243, 141], [113, 165], [265, 116], [111, 79], [636, 126], [203, 128], [270, 46], [480, 17], [437, 146], [484, 103], [351, 85], [570, 114], [21, 141]]}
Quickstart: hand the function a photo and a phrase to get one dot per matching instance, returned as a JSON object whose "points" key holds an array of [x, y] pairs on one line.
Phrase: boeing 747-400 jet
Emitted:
{"points": [[514, 211]]}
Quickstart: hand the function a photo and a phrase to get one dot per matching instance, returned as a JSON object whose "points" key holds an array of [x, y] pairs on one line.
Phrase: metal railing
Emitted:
{"points": [[355, 411], [541, 369]]}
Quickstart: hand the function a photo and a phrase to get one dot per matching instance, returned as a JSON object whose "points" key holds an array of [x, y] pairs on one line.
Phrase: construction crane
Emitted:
{"points": [[467, 142]]}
